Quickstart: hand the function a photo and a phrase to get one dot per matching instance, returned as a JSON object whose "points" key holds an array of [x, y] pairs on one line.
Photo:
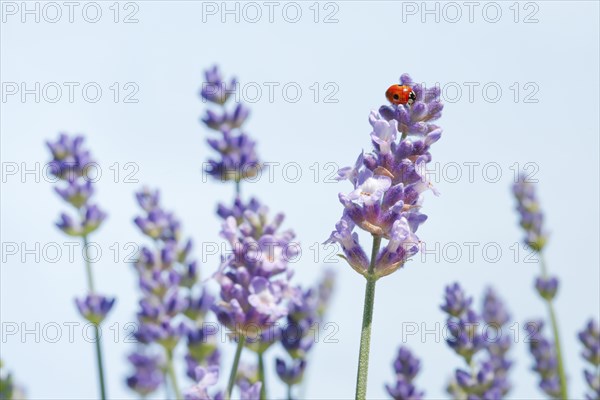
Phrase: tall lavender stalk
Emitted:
{"points": [[531, 220], [71, 164], [386, 198], [485, 376], [173, 305], [237, 160]]}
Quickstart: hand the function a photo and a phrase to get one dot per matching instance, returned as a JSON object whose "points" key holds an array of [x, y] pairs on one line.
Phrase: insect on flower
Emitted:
{"points": [[400, 94]]}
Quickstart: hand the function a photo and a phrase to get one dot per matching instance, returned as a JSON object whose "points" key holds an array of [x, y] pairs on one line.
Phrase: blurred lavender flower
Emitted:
{"points": [[71, 163], [546, 364], [173, 304], [95, 307], [406, 367], [214, 88], [487, 376], [389, 183], [237, 158], [148, 375], [297, 336], [547, 287], [415, 119], [531, 216], [251, 296], [204, 377], [590, 338], [207, 377], [290, 374], [496, 316]]}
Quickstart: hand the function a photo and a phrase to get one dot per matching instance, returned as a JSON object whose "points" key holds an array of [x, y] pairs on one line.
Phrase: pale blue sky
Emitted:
{"points": [[554, 61]]}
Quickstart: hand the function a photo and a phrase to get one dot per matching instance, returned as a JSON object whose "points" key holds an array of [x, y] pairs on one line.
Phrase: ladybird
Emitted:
{"points": [[400, 94]]}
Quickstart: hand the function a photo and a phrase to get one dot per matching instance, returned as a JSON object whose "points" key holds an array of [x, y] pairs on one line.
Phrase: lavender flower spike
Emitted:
{"points": [[95, 307], [546, 364], [590, 338], [71, 163], [406, 367], [386, 197], [531, 216]]}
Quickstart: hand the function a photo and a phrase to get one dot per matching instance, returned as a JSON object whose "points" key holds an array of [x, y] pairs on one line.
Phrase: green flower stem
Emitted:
{"points": [[289, 392], [88, 265], [90, 282], [99, 362], [172, 375], [238, 189], [236, 362], [365, 336], [553, 321], [261, 376]]}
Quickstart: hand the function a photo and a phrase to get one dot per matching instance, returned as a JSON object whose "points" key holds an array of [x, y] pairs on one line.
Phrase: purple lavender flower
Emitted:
{"points": [[253, 294], [546, 364], [456, 301], [204, 377], [95, 307], [214, 88], [415, 119], [590, 338], [389, 183], [69, 159], [531, 216], [547, 287], [237, 157], [406, 367], [496, 316], [70, 163], [481, 343], [290, 374], [202, 349], [148, 375], [173, 304], [477, 385], [226, 120]]}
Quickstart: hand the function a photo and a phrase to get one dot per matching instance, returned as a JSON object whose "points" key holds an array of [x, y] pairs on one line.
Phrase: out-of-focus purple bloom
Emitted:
{"points": [[148, 375], [173, 304], [406, 367], [530, 213], [226, 120], [547, 287], [202, 348], [249, 392], [470, 335], [478, 385], [290, 374], [415, 119], [297, 336], [456, 301], [205, 378], [389, 183], [590, 338], [214, 88], [546, 364], [237, 157], [497, 341], [70, 163], [95, 307], [69, 159], [254, 277]]}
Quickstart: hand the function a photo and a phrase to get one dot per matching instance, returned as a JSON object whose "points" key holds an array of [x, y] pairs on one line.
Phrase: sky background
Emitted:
{"points": [[550, 121]]}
